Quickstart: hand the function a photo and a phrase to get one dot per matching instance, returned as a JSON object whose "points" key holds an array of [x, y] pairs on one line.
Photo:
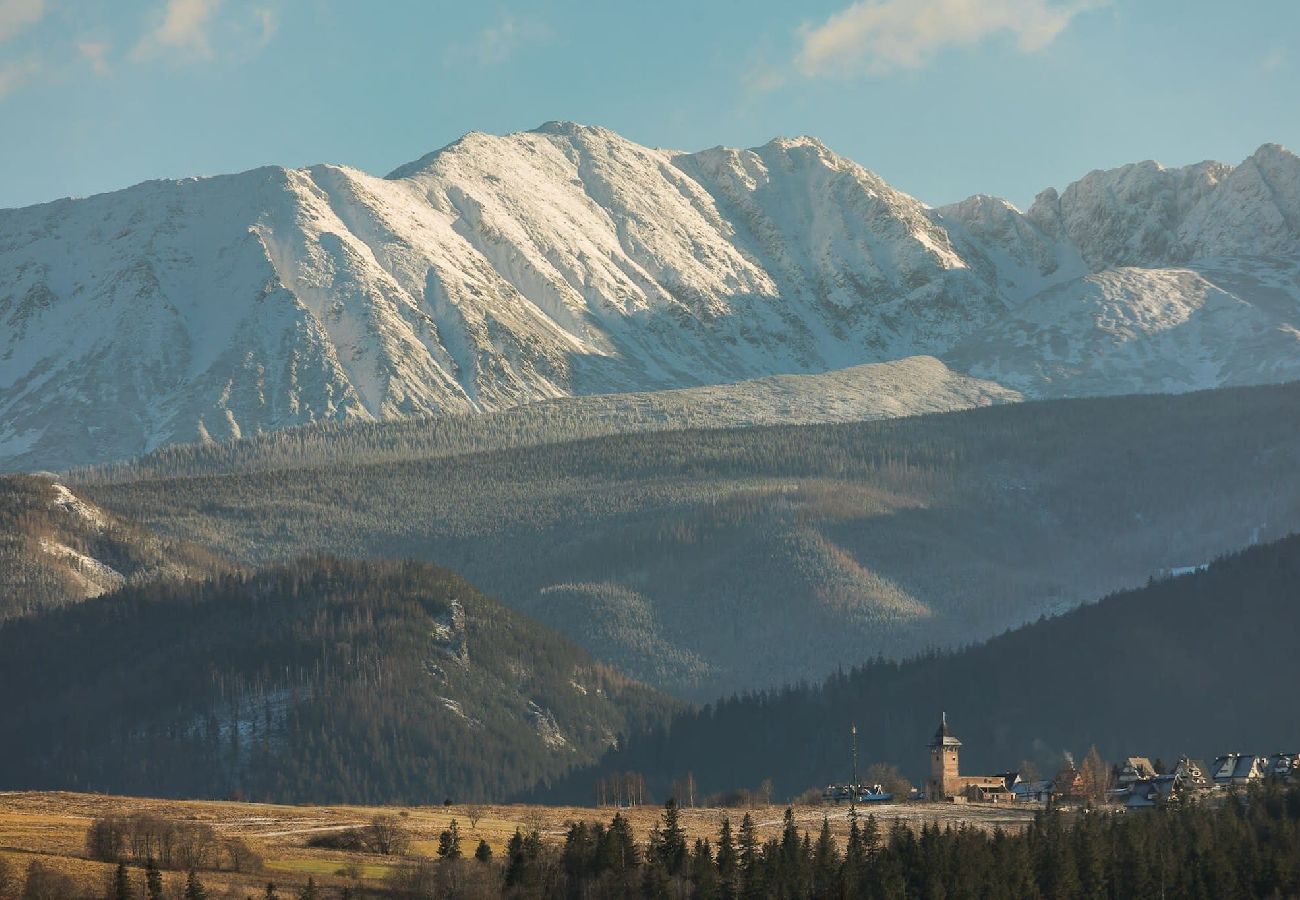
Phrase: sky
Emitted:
{"points": [[942, 98]]}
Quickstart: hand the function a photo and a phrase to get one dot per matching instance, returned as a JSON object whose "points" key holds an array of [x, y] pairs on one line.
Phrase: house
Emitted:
{"points": [[1068, 783], [1284, 766], [1135, 768], [1194, 773], [1031, 791], [1238, 769], [946, 783], [1151, 792]]}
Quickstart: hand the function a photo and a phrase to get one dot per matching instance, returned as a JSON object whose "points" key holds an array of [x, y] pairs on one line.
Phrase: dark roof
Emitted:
{"points": [[943, 737]]}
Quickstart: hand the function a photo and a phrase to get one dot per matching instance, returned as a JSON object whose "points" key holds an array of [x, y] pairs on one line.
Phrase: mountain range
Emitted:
{"points": [[567, 260]]}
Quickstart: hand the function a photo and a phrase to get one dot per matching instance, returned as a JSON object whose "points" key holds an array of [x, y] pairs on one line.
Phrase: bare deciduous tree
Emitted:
{"points": [[387, 837]]}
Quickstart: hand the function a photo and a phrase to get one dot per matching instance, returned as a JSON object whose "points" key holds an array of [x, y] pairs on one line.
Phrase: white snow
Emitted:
{"points": [[102, 576], [569, 261]]}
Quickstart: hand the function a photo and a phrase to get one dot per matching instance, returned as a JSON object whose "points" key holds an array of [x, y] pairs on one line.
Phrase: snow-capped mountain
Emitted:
{"points": [[567, 260]]}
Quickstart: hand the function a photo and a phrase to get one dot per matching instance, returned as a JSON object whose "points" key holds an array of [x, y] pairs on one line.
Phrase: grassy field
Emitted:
{"points": [[51, 827]]}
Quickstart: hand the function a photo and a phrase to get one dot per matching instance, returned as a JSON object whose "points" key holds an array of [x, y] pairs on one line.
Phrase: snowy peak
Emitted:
{"points": [[1147, 215], [1130, 215], [568, 260], [1254, 211]]}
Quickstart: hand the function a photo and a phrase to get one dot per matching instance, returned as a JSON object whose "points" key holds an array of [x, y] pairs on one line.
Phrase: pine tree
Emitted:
{"points": [[704, 872], [825, 862], [449, 842], [855, 858], [194, 889], [750, 860], [789, 862], [671, 840], [484, 852], [153, 882], [728, 862], [121, 883]]}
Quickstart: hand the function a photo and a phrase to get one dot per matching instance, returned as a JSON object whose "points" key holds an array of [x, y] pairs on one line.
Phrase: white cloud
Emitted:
{"points": [[96, 54], [878, 36], [1275, 59], [500, 41], [14, 74], [184, 28], [16, 16], [267, 24]]}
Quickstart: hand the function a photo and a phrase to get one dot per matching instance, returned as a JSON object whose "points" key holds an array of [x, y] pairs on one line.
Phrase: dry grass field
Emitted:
{"points": [[51, 828]]}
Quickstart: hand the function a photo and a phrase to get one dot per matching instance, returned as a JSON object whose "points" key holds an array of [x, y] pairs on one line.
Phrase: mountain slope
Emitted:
{"points": [[324, 679], [1201, 664], [772, 554], [911, 386], [568, 260], [56, 548]]}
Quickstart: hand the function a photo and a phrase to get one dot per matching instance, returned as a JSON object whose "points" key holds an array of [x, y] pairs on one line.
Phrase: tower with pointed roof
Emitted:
{"points": [[945, 777]]}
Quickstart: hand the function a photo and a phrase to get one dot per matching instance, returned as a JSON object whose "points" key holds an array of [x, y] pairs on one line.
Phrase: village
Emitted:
{"points": [[1134, 784]]}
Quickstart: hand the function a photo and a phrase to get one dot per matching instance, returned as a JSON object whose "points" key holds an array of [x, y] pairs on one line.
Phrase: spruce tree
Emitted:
{"points": [[153, 881], [194, 889], [728, 862], [704, 872], [750, 860], [121, 883], [484, 852], [449, 842], [825, 862], [671, 838]]}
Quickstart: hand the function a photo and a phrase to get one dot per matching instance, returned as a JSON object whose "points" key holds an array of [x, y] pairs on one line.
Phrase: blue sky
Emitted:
{"points": [[943, 98]]}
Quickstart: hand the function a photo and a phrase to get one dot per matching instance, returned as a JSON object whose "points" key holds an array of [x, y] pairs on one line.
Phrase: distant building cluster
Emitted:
{"points": [[1137, 784]]}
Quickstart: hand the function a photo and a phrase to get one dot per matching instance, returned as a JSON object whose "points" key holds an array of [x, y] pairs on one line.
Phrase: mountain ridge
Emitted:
{"points": [[567, 260]]}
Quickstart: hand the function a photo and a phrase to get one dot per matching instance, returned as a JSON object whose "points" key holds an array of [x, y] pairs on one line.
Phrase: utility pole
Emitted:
{"points": [[853, 788]]}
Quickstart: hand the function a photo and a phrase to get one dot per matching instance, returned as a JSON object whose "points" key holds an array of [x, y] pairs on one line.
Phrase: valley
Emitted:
{"points": [[672, 555]]}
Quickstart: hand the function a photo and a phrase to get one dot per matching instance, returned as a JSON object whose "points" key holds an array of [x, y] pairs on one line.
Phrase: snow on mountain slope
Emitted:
{"points": [[1130, 330], [1147, 215], [57, 548], [567, 260]]}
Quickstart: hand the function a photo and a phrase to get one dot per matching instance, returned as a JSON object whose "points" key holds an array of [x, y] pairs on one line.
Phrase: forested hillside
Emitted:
{"points": [[1200, 664], [919, 384], [320, 680], [712, 561], [55, 548]]}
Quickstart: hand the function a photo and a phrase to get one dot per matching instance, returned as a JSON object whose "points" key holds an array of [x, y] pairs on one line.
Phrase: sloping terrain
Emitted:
{"points": [[323, 679], [711, 561], [1200, 664], [910, 386], [569, 261], [56, 548]]}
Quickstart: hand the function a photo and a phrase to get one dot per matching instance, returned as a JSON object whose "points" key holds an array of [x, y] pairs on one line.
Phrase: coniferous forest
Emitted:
{"points": [[321, 680], [1244, 846], [1193, 665]]}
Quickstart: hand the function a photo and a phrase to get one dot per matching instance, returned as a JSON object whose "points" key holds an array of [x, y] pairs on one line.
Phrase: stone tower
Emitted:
{"points": [[944, 771]]}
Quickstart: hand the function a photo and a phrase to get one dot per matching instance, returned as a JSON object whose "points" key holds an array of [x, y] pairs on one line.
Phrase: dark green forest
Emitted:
{"points": [[320, 680], [1200, 664], [1237, 847], [710, 561]]}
